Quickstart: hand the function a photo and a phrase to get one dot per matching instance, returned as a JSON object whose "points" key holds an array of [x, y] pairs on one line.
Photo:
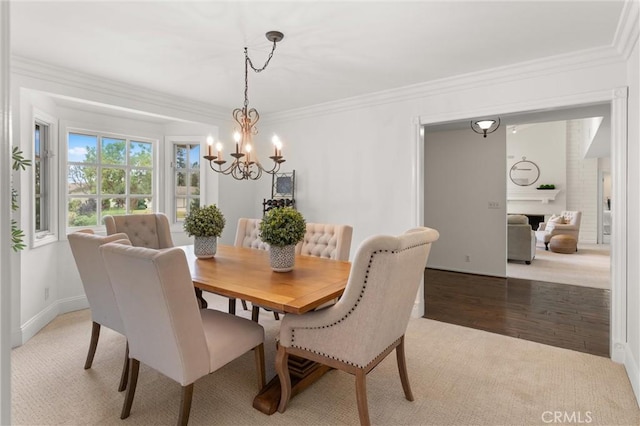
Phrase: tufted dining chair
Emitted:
{"points": [[248, 235], [349, 336], [165, 328], [146, 230], [102, 303], [327, 241]]}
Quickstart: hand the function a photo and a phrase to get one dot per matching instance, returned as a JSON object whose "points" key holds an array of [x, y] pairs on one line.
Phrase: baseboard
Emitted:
{"points": [[32, 326], [633, 372]]}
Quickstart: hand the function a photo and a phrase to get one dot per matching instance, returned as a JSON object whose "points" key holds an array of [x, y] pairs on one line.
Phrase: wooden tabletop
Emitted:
{"points": [[244, 273]]}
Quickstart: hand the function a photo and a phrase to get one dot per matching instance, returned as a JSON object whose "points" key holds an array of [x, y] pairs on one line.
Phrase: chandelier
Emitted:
{"points": [[245, 164]]}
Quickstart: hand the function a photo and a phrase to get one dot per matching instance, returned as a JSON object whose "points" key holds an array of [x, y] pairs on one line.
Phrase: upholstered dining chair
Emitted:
{"points": [[102, 303], [248, 235], [326, 240], [150, 230], [144, 230], [383, 283], [165, 328]]}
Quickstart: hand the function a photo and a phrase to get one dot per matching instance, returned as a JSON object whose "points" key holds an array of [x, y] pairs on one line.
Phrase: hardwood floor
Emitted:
{"points": [[561, 315]]}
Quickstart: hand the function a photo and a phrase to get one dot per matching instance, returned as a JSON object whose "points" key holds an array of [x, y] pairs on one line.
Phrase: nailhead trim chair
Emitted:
{"points": [[349, 336], [165, 328], [104, 310]]}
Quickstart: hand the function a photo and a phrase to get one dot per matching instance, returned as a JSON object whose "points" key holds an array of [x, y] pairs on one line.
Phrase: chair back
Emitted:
{"points": [[326, 240], [144, 230], [375, 308], [85, 248], [572, 217], [248, 234], [159, 310]]}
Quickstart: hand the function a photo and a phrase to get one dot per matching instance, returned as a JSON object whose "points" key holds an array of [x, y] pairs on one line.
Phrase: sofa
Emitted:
{"points": [[521, 239]]}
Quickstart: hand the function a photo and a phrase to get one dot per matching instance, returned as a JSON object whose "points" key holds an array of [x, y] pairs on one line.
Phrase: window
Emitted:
{"points": [[186, 178], [44, 180], [41, 153], [107, 175]]}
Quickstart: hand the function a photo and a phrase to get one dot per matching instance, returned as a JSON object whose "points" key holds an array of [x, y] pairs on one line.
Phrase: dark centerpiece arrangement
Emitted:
{"points": [[282, 228], [205, 224], [547, 186]]}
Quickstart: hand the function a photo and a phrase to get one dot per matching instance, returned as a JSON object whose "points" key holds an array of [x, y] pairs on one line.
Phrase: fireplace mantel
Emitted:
{"points": [[541, 195]]}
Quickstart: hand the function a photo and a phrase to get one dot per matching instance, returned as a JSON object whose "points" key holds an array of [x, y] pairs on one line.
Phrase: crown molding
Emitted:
{"points": [[32, 68], [627, 32], [536, 68]]}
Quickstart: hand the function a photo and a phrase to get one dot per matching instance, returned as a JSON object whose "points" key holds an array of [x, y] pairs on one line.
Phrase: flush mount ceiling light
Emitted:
{"points": [[245, 164], [484, 127]]}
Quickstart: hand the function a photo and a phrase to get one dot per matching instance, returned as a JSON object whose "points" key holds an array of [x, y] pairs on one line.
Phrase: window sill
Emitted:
{"points": [[43, 240]]}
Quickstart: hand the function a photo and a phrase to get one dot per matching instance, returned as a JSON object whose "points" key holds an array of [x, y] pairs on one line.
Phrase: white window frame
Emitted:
{"points": [[50, 235], [170, 196], [155, 193]]}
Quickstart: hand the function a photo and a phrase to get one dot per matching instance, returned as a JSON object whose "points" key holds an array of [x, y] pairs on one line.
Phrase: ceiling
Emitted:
{"points": [[331, 50]]}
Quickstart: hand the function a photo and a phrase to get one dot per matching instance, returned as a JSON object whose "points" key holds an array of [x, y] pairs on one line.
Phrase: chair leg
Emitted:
{"points": [[232, 306], [125, 370], [546, 246], [361, 397], [95, 334], [259, 353], [402, 369], [282, 368], [276, 316], [134, 367], [244, 305], [185, 404], [255, 313]]}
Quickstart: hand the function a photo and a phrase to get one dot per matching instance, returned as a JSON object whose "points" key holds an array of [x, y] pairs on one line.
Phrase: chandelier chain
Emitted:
{"points": [[249, 62]]}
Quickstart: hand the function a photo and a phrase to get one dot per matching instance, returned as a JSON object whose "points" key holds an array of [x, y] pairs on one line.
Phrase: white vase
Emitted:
{"points": [[282, 258], [205, 247]]}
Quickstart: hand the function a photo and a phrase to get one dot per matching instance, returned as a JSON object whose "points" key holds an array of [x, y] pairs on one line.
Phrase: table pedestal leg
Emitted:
{"points": [[303, 374]]}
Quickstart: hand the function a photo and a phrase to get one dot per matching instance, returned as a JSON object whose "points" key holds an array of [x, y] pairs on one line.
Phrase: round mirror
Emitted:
{"points": [[524, 173]]}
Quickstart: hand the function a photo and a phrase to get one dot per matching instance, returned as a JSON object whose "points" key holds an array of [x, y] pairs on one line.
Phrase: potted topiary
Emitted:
{"points": [[282, 228], [205, 224]]}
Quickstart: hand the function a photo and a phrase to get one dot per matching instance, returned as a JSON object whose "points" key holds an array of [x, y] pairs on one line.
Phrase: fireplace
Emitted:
{"points": [[534, 220]]}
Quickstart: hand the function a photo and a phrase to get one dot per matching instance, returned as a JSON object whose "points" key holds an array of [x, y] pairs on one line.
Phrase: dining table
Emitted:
{"points": [[245, 273]]}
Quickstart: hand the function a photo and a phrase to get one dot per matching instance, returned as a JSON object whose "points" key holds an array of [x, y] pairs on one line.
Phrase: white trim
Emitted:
{"points": [[633, 371], [500, 75], [619, 214], [626, 35], [111, 89], [36, 323], [5, 216], [618, 100], [169, 142], [43, 238]]}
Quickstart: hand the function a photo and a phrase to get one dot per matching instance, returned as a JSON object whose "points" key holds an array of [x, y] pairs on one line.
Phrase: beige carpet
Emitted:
{"points": [[590, 266], [459, 376]]}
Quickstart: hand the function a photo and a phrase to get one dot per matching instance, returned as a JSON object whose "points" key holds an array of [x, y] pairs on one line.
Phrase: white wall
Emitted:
{"points": [[546, 145], [463, 172], [582, 179], [632, 360]]}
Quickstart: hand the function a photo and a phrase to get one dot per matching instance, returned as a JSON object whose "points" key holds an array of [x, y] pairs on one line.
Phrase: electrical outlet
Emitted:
{"points": [[467, 258], [46, 293], [494, 205]]}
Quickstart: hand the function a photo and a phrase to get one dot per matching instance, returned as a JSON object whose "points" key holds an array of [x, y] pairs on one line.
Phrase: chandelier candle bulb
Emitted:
{"points": [[209, 146], [219, 149]]}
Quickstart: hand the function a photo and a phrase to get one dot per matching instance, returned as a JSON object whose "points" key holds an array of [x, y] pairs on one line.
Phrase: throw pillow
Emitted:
{"points": [[553, 221]]}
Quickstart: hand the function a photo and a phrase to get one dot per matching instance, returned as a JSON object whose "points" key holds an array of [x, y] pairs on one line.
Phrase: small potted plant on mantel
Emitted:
{"points": [[205, 224], [282, 228]]}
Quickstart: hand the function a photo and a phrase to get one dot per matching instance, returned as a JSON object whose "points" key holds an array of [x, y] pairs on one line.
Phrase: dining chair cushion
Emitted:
{"points": [[144, 230]]}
